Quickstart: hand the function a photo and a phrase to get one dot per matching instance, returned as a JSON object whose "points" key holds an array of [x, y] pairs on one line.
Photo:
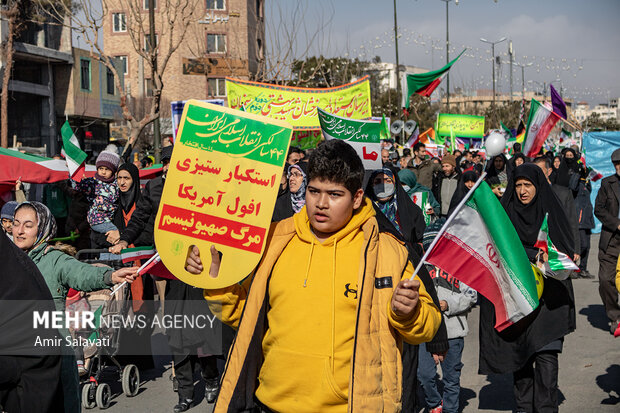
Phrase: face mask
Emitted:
{"points": [[384, 190]]}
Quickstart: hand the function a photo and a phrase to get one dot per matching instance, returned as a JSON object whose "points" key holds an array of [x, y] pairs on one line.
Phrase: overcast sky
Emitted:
{"points": [[574, 44]]}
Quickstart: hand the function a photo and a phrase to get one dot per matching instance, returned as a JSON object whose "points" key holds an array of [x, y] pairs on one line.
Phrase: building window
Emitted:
{"points": [[148, 87], [123, 64], [109, 81], [215, 5], [119, 21], [216, 43], [217, 87], [146, 4], [147, 42], [259, 8], [85, 74], [259, 49]]}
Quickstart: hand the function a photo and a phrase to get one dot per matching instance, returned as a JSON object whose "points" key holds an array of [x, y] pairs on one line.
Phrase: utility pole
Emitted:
{"points": [[510, 54], [398, 88], [493, 64], [447, 56], [152, 45]]}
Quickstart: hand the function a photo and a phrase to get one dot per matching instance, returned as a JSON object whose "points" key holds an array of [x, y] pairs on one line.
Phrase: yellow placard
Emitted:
{"points": [[297, 105], [220, 190]]}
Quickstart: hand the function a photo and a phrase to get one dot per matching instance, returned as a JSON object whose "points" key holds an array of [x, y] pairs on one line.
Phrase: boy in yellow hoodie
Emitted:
{"points": [[322, 318]]}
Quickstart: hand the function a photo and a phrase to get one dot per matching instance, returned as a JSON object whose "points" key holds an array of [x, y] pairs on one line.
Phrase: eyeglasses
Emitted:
{"points": [[295, 174]]}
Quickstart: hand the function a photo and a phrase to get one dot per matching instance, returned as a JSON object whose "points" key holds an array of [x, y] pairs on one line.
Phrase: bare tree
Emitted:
{"points": [[172, 21]]}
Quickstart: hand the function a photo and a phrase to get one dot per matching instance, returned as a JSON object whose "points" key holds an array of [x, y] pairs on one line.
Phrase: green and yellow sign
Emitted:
{"points": [[220, 190], [297, 105], [462, 126]]}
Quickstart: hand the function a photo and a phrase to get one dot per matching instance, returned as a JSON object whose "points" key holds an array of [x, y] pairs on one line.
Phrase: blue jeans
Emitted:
{"points": [[104, 227], [451, 369]]}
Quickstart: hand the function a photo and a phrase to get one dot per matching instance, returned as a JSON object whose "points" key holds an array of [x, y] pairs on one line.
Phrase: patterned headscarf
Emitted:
{"points": [[389, 207], [298, 199], [46, 226]]}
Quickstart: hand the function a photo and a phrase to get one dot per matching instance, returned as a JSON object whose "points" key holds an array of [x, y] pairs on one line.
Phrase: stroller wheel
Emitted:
{"points": [[88, 396], [131, 380], [103, 395]]}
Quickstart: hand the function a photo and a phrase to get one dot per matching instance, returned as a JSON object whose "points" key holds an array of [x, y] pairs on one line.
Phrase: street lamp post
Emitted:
{"points": [[493, 62], [523, 78], [448, 51], [398, 87]]}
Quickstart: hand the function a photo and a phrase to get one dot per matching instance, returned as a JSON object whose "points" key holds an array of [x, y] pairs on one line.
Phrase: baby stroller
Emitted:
{"points": [[103, 358]]}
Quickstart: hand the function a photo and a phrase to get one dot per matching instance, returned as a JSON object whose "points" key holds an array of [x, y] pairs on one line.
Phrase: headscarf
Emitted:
{"points": [[46, 226], [298, 199], [527, 219], [560, 175], [408, 178], [512, 162], [133, 195], [502, 174], [461, 189], [409, 216], [389, 208], [571, 162]]}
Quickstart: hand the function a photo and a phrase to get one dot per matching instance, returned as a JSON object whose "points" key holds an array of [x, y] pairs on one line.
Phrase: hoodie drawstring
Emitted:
{"points": [[308, 265], [333, 304]]}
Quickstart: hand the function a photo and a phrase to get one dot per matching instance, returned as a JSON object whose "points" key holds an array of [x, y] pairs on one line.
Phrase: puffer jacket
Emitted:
{"points": [[460, 298], [103, 198], [375, 383]]}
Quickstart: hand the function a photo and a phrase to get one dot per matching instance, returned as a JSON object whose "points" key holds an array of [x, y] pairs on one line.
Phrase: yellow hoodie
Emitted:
{"points": [[311, 319]]}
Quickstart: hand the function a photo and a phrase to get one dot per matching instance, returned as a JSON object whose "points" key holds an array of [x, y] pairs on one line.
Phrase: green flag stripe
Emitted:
{"points": [[71, 151]]}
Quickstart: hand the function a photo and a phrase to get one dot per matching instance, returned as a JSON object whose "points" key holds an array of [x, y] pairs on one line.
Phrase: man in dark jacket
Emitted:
{"points": [[585, 214], [607, 211], [423, 168], [445, 183]]}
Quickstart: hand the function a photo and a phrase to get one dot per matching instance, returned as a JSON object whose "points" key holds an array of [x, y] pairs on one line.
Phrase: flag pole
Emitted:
{"points": [[445, 226], [137, 272]]}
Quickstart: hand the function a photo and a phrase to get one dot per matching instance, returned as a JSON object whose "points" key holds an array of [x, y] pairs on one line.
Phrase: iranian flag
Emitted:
{"points": [[559, 265], [421, 200], [539, 124], [156, 267], [479, 246], [362, 135], [35, 169], [424, 84], [76, 157], [137, 253]]}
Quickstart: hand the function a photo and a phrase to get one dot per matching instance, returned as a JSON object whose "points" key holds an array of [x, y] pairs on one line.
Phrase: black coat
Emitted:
{"points": [[583, 203], [143, 218], [606, 209], [565, 196], [283, 208]]}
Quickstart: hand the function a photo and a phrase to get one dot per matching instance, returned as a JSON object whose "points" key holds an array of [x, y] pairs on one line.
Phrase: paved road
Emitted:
{"points": [[589, 368]]}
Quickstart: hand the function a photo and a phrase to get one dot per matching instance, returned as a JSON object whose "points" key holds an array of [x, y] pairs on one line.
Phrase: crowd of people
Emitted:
{"points": [[333, 318]]}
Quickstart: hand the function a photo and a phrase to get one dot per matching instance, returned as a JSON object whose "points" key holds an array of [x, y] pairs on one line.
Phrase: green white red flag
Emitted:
{"points": [[559, 265], [71, 151], [479, 246], [421, 199], [539, 124], [137, 253], [424, 84]]}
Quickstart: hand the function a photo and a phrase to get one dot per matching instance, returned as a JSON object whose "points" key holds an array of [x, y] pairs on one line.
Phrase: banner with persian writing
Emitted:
{"points": [[220, 190], [297, 105], [462, 126], [362, 135]]}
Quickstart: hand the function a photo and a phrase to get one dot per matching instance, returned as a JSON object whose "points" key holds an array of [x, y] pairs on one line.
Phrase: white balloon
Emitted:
{"points": [[495, 144]]}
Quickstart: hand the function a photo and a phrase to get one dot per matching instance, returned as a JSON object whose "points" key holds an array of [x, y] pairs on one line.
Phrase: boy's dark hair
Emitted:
{"points": [[417, 146], [336, 161], [406, 152], [293, 149]]}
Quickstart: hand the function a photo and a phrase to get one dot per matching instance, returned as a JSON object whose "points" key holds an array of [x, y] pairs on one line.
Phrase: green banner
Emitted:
{"points": [[225, 132], [462, 126], [362, 135]]}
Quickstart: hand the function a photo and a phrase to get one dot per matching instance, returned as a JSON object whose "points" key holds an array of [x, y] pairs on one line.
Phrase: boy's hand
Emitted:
{"points": [[405, 298], [113, 236], [193, 263]]}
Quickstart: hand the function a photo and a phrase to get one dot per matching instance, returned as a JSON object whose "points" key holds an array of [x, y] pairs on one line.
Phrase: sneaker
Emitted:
{"points": [[211, 388], [585, 274], [183, 406], [438, 409]]}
